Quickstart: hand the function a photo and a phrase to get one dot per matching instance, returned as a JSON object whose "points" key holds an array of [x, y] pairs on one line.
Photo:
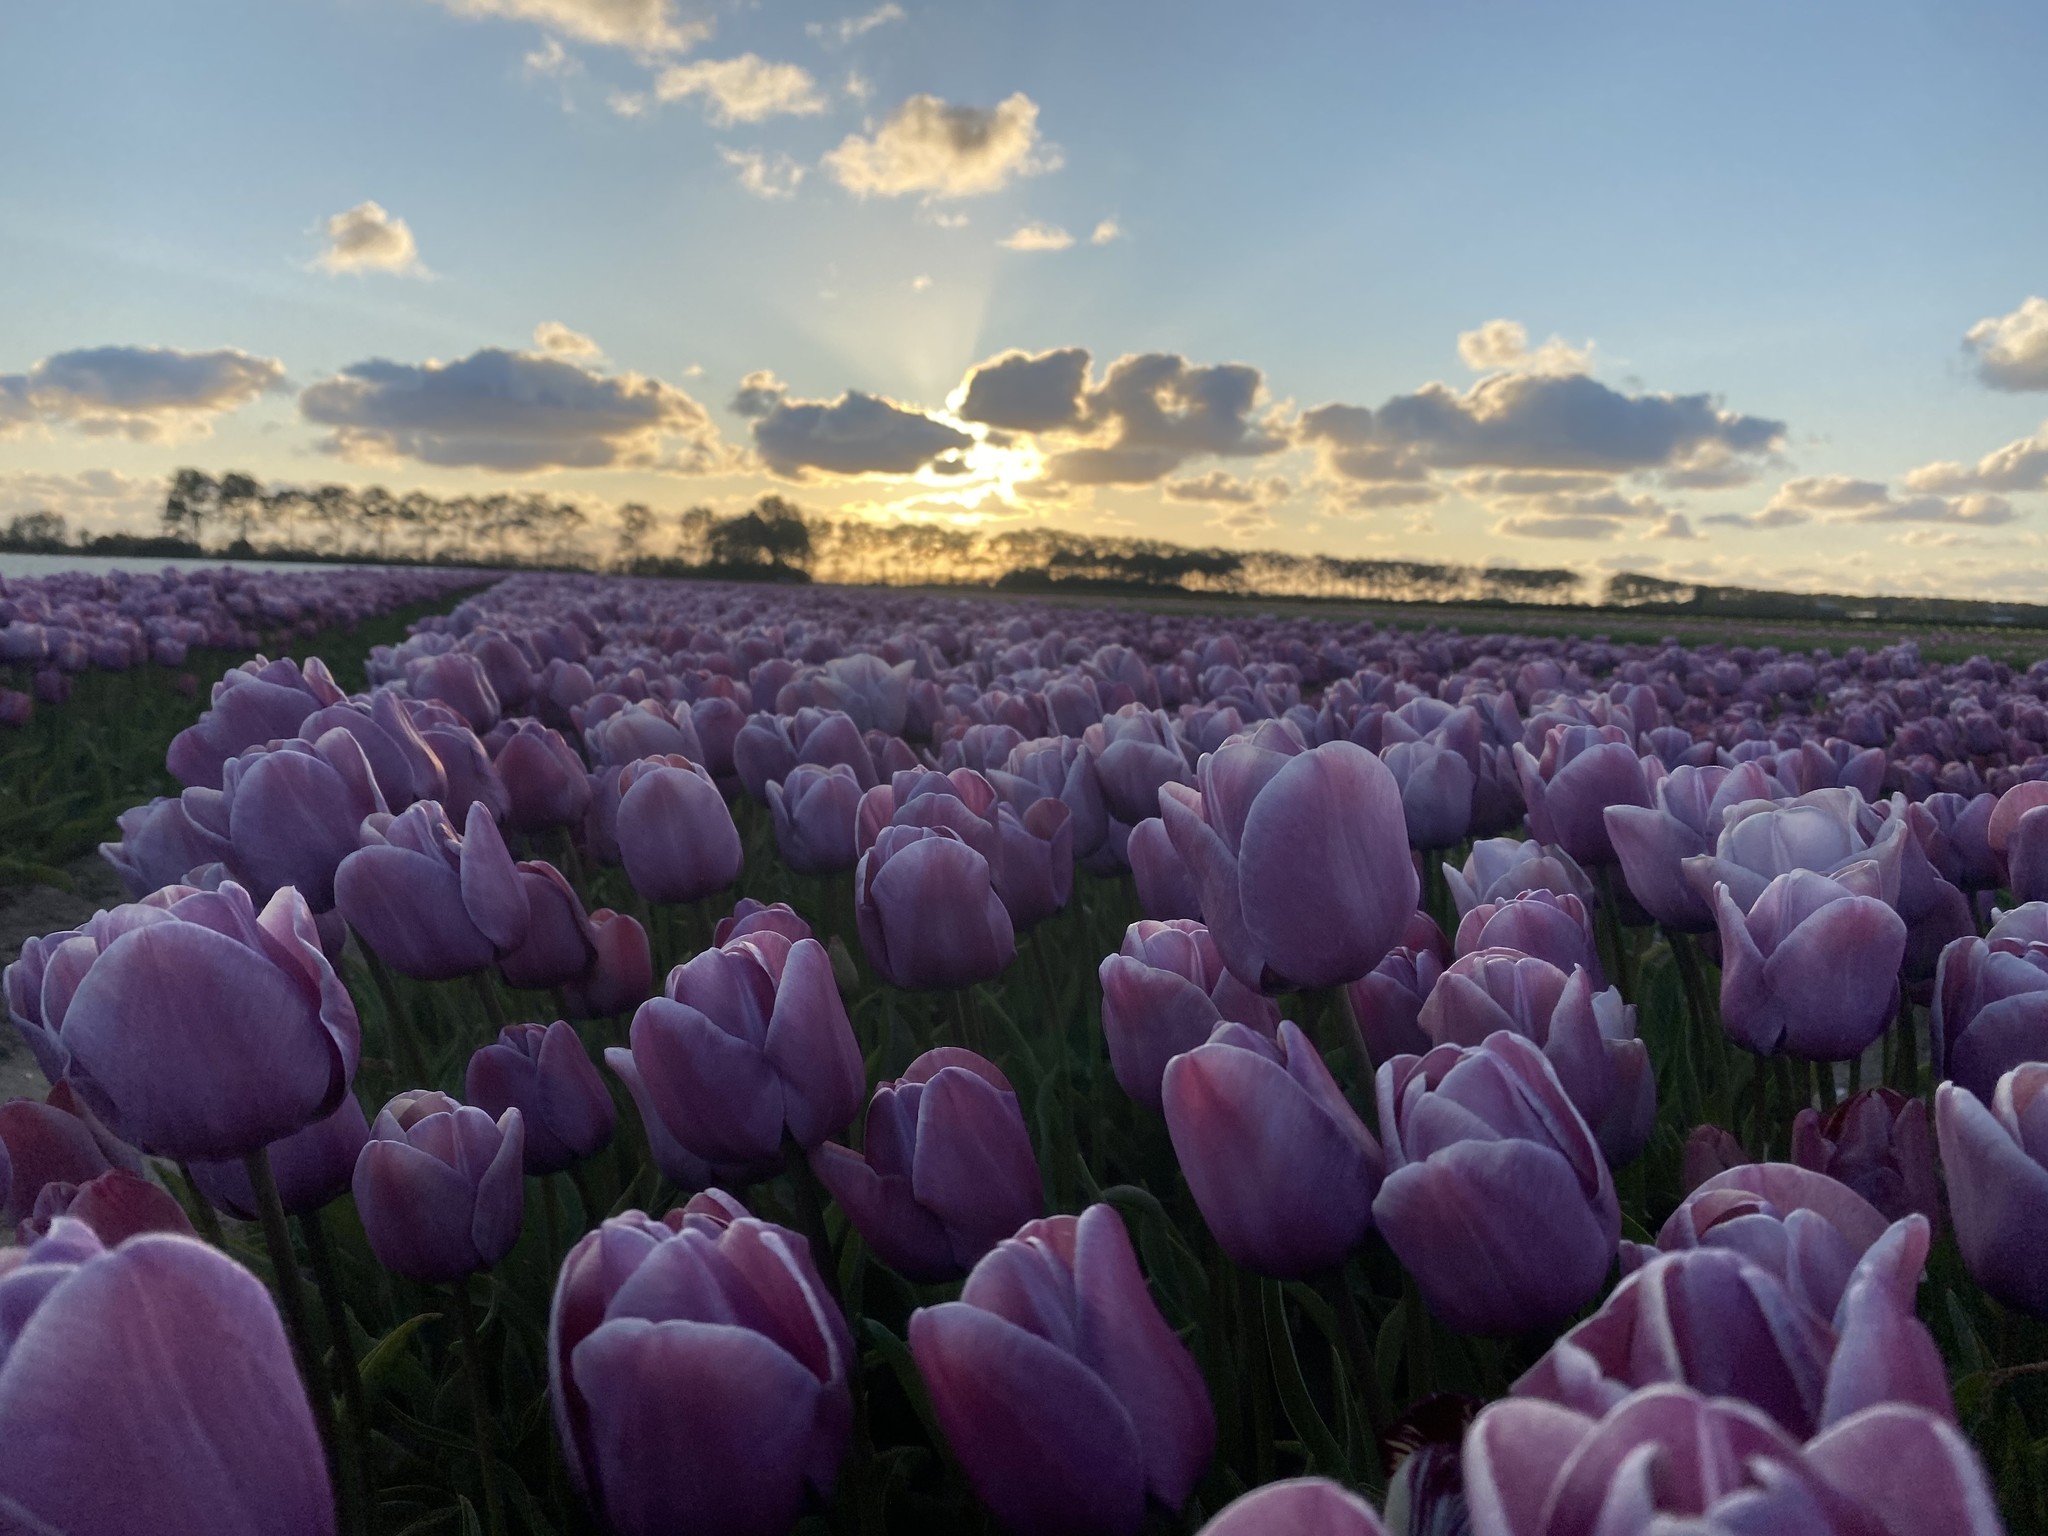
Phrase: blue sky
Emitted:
{"points": [[316, 241]]}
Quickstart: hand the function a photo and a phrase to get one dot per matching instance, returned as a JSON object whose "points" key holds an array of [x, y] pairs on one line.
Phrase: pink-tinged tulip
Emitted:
{"points": [[458, 680], [1136, 752], [1806, 1228], [1669, 1459], [1500, 867], [764, 752], [1301, 860], [1436, 792], [1995, 1159], [1682, 821], [1388, 1004], [312, 1168], [42, 1144], [288, 814], [405, 767], [749, 917], [945, 1170], [621, 973], [1282, 1168], [1163, 994], [1553, 927], [1583, 770], [159, 845], [429, 904], [928, 913], [558, 948], [544, 779], [1497, 1198], [1165, 888], [1825, 832], [962, 801], [1034, 870], [699, 1371], [2011, 806], [1714, 1320], [439, 1187], [749, 1044], [1064, 768], [1812, 970], [814, 810], [641, 729], [256, 702], [2026, 856], [1990, 1011], [472, 778], [1060, 1388], [150, 1387], [117, 1205], [193, 1025], [1588, 1036], [1877, 1142], [675, 832], [543, 1072], [1297, 1506]]}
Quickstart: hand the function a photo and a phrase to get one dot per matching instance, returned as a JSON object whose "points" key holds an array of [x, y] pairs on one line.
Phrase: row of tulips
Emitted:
{"points": [[1317, 1186]]}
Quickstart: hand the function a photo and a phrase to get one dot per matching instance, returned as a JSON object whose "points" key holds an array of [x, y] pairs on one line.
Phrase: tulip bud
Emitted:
{"points": [[1163, 994], [1879, 1144], [927, 910], [813, 810], [544, 1072], [1811, 970], [1995, 1159], [675, 833], [621, 970], [429, 904], [439, 1187]]}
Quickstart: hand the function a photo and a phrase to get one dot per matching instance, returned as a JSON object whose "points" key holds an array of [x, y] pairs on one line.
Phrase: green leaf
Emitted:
{"points": [[387, 1352], [1325, 1454]]}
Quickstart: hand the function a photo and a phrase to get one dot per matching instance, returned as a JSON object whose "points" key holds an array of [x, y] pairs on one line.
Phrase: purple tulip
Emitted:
{"points": [[962, 801], [1667, 1458], [764, 752], [1165, 888], [1163, 994], [1497, 1198], [1136, 752], [1682, 821], [256, 702], [150, 1387], [1812, 970], [1995, 1159], [439, 1187], [1709, 1150], [159, 845], [429, 904], [641, 729], [1500, 867], [1557, 928], [405, 767], [1297, 1506], [675, 831], [1034, 871], [699, 1371], [1436, 792], [1282, 1168], [312, 1167], [1877, 1142], [1583, 770], [748, 1044], [117, 1205], [543, 1072], [289, 813], [1064, 768], [1060, 1388], [928, 913], [1388, 1004], [621, 972], [946, 1169], [193, 1025], [558, 948], [544, 779], [472, 777], [1301, 860], [749, 916], [814, 810], [458, 680], [1990, 1009], [1826, 832]]}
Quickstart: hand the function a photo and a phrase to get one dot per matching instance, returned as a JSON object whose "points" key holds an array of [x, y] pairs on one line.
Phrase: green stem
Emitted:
{"points": [[810, 1210], [1909, 1046], [487, 993], [479, 1407], [593, 1213], [291, 1296], [1420, 1341], [203, 1214], [1259, 1371], [1365, 1373], [1624, 960], [313, 1228], [405, 1045], [1762, 1086], [551, 1224]]}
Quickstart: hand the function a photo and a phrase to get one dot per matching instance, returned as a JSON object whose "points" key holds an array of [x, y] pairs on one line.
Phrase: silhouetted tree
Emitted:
{"points": [[193, 498]]}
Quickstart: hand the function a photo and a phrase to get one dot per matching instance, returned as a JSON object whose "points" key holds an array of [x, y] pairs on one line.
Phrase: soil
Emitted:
{"points": [[27, 912]]}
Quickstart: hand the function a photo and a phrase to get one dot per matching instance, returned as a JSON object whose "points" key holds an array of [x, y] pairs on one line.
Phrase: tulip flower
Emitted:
{"points": [[456, 679], [1500, 867], [1995, 1159], [472, 777], [1282, 1168], [814, 810], [962, 801], [1062, 767], [1877, 1142], [749, 917], [1165, 888], [675, 832], [1060, 1388], [1825, 832], [1553, 927], [928, 913], [1164, 993], [429, 904], [946, 1169], [1709, 1150], [117, 1205], [1497, 1199], [42, 1144], [558, 948], [256, 702], [1682, 821], [311, 1168], [1301, 860], [1812, 969], [1990, 1009], [543, 1072], [405, 767], [642, 729], [621, 972], [1034, 870], [150, 1387], [1668, 1458], [1436, 792], [1583, 770], [195, 1026], [1296, 1506], [159, 845], [748, 1044], [1388, 1004], [699, 1373], [439, 1187], [288, 814], [544, 779], [1136, 753]]}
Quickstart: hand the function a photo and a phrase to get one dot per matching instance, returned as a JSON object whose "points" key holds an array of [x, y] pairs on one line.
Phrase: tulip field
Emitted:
{"points": [[725, 1060]]}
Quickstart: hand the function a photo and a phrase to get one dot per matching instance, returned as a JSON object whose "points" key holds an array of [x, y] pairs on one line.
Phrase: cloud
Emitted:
{"points": [[1023, 392], [551, 59], [1243, 522], [1105, 232], [94, 497], [857, 434], [148, 394], [2012, 350], [648, 26], [368, 238], [1978, 508], [1037, 237], [746, 89], [1831, 493], [846, 30], [555, 338], [1846, 499], [1603, 514], [1504, 344], [2018, 466], [1378, 498], [511, 411], [944, 150], [628, 103], [766, 176], [1772, 516], [1222, 488], [1672, 525]]}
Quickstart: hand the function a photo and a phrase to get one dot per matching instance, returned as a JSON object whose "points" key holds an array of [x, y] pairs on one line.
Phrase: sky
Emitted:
{"points": [[1745, 292]]}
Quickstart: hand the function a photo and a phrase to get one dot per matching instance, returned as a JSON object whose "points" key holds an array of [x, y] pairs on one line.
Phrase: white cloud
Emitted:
{"points": [[944, 150], [745, 89], [858, 86], [766, 176], [1105, 232], [368, 238], [551, 60], [148, 394], [93, 497], [1504, 344], [2012, 350], [2018, 466], [629, 103], [947, 219], [647, 26], [845, 31], [556, 339], [1846, 499], [1036, 237]]}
